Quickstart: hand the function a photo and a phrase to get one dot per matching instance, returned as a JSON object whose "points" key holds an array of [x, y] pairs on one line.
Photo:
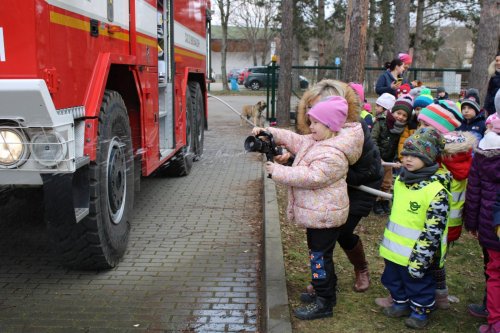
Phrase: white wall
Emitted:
{"points": [[233, 60]]}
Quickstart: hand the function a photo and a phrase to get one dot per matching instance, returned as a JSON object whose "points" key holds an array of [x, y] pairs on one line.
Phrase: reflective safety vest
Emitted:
{"points": [[407, 221], [457, 200], [365, 113]]}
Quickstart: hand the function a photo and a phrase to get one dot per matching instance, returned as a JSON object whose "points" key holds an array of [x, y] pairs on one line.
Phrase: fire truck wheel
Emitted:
{"points": [[198, 126], [111, 187], [182, 163]]}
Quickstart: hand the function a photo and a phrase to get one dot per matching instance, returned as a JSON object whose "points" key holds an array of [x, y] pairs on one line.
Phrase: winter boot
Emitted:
{"points": [[397, 310], [478, 310], [309, 296], [385, 207], [320, 308], [417, 321], [442, 301], [357, 258], [384, 302], [377, 208]]}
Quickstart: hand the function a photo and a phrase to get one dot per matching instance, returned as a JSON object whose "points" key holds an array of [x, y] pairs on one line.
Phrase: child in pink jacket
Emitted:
{"points": [[317, 190]]}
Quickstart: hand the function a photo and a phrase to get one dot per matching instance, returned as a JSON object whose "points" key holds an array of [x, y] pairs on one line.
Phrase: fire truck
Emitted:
{"points": [[94, 95]]}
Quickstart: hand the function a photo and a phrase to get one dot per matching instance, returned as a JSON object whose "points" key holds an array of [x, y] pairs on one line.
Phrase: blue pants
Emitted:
{"points": [[404, 289]]}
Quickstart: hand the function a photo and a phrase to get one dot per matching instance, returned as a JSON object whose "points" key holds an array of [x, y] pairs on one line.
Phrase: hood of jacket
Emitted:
{"points": [[457, 154]]}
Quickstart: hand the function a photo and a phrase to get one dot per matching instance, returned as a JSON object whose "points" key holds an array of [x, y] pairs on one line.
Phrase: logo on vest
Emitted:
{"points": [[414, 206]]}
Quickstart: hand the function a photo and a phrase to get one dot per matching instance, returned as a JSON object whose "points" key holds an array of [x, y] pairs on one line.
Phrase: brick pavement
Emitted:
{"points": [[193, 262]]}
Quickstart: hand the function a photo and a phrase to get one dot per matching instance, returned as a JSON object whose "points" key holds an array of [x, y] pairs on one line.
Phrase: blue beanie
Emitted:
{"points": [[422, 101]]}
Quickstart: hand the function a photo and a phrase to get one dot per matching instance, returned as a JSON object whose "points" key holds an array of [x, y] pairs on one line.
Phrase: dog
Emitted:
{"points": [[254, 112]]}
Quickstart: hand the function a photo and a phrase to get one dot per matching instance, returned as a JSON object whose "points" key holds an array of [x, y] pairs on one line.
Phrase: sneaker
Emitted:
{"points": [[478, 310], [320, 308], [397, 310], [384, 302], [492, 328], [417, 321]]}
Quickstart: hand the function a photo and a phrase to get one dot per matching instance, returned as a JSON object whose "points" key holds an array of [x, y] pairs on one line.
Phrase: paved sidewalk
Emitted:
{"points": [[194, 260]]}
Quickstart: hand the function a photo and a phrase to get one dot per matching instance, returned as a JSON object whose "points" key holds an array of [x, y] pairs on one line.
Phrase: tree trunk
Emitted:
{"points": [[224, 9], [285, 81], [419, 30], [386, 33], [402, 26], [321, 38], [486, 46], [353, 68]]}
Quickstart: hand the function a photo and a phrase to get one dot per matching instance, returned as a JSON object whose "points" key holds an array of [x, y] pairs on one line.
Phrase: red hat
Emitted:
{"points": [[404, 89]]}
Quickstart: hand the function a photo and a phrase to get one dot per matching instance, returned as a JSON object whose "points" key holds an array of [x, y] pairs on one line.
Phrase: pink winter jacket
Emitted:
{"points": [[317, 194]]}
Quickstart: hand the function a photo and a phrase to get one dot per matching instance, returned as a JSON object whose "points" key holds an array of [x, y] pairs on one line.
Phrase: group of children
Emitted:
{"points": [[435, 145]]}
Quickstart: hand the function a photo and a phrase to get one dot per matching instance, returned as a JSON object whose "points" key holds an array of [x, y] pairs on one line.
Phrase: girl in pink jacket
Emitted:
{"points": [[317, 195]]}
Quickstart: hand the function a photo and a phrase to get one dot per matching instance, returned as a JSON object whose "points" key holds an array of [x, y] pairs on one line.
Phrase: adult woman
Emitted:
{"points": [[493, 85], [366, 171], [391, 79]]}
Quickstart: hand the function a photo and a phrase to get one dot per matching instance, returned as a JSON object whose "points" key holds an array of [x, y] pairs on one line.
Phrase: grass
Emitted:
{"points": [[357, 312]]}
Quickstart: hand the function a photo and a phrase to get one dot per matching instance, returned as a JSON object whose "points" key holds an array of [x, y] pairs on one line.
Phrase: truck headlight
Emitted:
{"points": [[13, 151], [48, 148]]}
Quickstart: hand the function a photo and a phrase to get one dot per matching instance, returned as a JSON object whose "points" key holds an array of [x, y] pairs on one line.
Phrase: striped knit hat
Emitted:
{"points": [[403, 103], [443, 116]]}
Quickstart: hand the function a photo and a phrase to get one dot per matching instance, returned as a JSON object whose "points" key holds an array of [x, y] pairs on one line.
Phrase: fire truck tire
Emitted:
{"points": [[182, 163], [198, 118], [100, 239]]}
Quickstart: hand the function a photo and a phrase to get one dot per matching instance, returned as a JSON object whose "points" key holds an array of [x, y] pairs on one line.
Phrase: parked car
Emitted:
{"points": [[257, 78], [233, 73]]}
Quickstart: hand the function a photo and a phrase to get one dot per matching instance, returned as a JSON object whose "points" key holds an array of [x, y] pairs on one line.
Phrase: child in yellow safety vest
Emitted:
{"points": [[415, 234]]}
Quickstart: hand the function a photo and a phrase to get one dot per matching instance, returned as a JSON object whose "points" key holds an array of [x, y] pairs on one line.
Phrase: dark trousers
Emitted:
{"points": [[347, 239], [404, 289], [321, 243]]}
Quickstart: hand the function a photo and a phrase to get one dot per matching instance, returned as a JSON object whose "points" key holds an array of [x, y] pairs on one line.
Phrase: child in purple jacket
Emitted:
{"points": [[482, 218]]}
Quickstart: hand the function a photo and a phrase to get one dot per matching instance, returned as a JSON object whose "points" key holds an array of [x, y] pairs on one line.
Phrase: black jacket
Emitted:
{"points": [[493, 86], [366, 171]]}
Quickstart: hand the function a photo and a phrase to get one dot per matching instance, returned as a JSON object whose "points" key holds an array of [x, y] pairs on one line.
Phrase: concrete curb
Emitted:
{"points": [[277, 314]]}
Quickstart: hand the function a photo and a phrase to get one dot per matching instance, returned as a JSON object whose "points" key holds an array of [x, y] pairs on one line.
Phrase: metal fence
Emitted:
{"points": [[452, 79]]}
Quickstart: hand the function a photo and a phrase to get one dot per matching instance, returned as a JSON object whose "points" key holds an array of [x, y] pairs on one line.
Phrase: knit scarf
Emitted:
{"points": [[409, 177], [394, 126]]}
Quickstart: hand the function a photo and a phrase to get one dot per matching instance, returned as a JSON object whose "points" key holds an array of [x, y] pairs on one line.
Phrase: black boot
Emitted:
{"points": [[385, 207], [377, 208], [321, 308]]}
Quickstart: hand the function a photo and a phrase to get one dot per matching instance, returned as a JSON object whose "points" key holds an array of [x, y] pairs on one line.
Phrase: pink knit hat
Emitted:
{"points": [[358, 88], [331, 112], [406, 58]]}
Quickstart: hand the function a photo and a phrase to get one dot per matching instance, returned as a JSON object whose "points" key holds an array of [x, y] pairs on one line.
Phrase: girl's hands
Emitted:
{"points": [[283, 158], [269, 166], [256, 130]]}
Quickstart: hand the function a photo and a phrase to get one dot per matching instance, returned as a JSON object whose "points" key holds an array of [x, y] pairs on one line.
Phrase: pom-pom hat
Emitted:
{"points": [[386, 101], [426, 143], [331, 112]]}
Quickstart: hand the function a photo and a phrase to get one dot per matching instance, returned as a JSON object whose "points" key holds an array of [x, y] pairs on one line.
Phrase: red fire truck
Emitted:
{"points": [[95, 94]]}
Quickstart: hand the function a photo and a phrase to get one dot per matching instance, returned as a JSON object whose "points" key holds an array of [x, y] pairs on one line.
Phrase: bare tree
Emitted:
{"points": [[419, 30], [286, 49], [321, 23], [225, 10], [255, 21], [402, 25], [353, 68], [486, 45]]}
